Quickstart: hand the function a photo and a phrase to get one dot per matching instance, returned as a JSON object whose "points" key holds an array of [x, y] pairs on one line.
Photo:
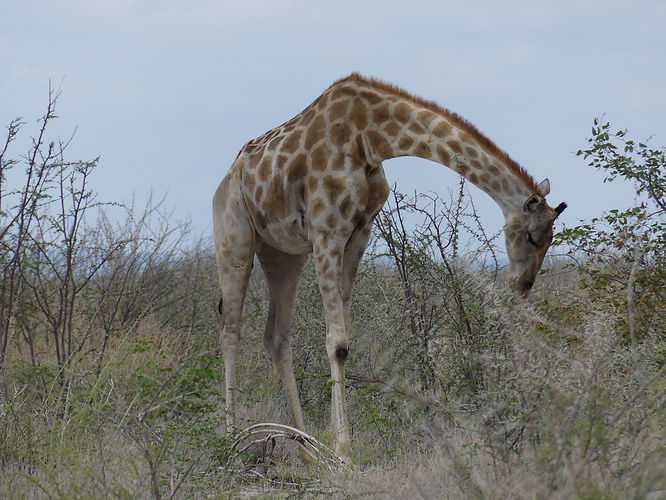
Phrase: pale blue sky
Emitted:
{"points": [[166, 92]]}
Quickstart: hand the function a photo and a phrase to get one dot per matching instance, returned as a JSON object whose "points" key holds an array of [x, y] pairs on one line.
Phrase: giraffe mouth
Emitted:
{"points": [[522, 285]]}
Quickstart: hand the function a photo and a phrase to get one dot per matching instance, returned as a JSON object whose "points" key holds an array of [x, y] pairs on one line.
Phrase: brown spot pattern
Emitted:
{"points": [[331, 222], [281, 160], [443, 129], [249, 181], [307, 117], [381, 114], [345, 207], [466, 138], [358, 152], [371, 97], [507, 187], [392, 129], [315, 132], [317, 208], [462, 169], [338, 164], [254, 160], [292, 142], [417, 129], [320, 157], [338, 110], [443, 155], [379, 144], [455, 146], [265, 169], [423, 150], [323, 101], [405, 142], [333, 187], [277, 201], [342, 91], [359, 115], [402, 112], [298, 168], [426, 117], [273, 145]]}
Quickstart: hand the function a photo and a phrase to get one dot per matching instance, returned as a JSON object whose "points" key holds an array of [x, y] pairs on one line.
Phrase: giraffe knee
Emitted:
{"points": [[280, 349], [337, 347]]}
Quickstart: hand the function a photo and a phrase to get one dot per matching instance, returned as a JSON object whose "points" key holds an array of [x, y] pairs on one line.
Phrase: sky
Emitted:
{"points": [[166, 92]]}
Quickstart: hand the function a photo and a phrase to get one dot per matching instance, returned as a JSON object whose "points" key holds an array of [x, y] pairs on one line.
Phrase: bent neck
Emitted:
{"points": [[402, 128]]}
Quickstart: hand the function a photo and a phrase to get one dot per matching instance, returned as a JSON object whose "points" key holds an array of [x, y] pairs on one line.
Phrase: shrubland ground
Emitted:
{"points": [[111, 382]]}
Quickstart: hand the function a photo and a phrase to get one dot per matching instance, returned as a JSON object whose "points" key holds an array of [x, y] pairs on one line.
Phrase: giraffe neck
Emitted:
{"points": [[396, 124], [414, 131]]}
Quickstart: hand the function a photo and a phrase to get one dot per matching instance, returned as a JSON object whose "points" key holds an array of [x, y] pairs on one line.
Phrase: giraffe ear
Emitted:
{"points": [[532, 203], [544, 187]]}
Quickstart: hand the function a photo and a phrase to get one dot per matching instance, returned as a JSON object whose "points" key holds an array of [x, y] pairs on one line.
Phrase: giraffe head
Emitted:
{"points": [[529, 233]]}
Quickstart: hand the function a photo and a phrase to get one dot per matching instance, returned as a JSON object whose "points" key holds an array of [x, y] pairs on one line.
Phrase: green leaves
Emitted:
{"points": [[621, 157], [622, 254]]}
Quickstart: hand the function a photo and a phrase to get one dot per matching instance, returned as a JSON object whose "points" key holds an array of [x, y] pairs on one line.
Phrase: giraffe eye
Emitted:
{"points": [[530, 240]]}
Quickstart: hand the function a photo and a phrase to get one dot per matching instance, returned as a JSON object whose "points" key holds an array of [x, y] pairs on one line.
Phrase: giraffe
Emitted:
{"points": [[315, 185]]}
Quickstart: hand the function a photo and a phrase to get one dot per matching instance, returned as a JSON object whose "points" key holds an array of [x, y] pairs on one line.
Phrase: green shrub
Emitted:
{"points": [[622, 255]]}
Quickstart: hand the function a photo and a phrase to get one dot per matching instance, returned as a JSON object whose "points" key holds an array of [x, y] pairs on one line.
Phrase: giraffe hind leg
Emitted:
{"points": [[234, 252], [283, 272], [233, 294]]}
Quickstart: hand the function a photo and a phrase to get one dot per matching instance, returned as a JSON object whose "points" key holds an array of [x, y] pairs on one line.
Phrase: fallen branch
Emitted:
{"points": [[314, 449]]}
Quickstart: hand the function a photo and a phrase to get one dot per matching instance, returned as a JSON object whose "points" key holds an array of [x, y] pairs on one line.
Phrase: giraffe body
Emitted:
{"points": [[315, 185]]}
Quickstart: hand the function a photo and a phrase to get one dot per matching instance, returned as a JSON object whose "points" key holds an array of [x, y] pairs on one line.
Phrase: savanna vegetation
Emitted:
{"points": [[110, 379]]}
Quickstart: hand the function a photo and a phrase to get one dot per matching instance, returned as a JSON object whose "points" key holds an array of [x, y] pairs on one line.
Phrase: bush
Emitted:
{"points": [[622, 255], [108, 368], [110, 376]]}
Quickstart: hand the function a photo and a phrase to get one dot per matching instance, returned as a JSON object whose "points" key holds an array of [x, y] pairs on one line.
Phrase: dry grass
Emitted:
{"points": [[567, 410], [562, 409], [455, 389]]}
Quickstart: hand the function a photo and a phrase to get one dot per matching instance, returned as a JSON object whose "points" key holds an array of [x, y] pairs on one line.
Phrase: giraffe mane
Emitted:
{"points": [[456, 119]]}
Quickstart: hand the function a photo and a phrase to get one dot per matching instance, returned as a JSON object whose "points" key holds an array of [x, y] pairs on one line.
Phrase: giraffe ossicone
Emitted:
{"points": [[315, 185]]}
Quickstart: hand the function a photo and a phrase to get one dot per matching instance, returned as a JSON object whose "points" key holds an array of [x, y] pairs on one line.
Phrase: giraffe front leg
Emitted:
{"points": [[337, 355], [328, 256], [352, 260]]}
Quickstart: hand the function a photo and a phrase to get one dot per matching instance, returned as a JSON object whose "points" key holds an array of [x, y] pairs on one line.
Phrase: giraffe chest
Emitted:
{"points": [[290, 214], [286, 228]]}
